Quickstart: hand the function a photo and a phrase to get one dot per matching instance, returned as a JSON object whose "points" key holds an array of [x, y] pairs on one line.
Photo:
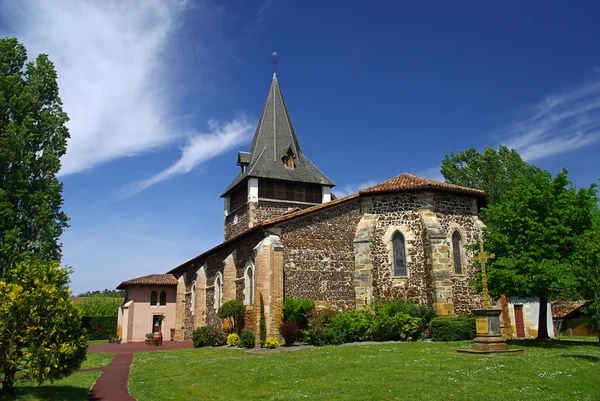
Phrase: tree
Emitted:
{"points": [[490, 171], [534, 231], [104, 293], [588, 268], [40, 329], [33, 137]]}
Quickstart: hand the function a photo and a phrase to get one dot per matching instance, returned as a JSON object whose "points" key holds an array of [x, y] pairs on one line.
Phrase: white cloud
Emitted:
{"points": [[559, 124], [109, 58], [350, 189], [201, 147]]}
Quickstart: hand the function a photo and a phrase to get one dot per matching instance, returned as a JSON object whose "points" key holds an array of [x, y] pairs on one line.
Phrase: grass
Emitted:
{"points": [[98, 341], [73, 388], [556, 370]]}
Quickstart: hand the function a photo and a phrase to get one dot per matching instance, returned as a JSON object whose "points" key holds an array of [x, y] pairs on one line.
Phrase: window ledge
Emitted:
{"points": [[288, 201]]}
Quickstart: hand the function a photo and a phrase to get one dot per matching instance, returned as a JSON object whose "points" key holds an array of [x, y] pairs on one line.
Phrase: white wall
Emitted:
{"points": [[326, 194], [531, 310]]}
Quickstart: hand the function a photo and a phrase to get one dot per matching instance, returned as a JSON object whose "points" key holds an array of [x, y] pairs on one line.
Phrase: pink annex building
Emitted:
{"points": [[287, 235]]}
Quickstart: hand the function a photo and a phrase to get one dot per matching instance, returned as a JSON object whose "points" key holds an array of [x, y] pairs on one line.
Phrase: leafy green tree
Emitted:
{"points": [[588, 268], [534, 231], [233, 311], [490, 171], [40, 329], [33, 137], [104, 293]]}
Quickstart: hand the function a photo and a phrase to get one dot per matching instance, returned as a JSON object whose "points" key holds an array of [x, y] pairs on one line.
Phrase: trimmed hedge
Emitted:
{"points": [[448, 328], [99, 327]]}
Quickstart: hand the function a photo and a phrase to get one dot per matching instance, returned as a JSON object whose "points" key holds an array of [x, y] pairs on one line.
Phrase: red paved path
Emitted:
{"points": [[112, 384]]}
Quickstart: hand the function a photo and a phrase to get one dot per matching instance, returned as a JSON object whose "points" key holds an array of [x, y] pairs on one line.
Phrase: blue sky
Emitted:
{"points": [[162, 94]]}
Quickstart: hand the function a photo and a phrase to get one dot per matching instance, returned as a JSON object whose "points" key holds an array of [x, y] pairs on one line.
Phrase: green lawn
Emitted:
{"points": [[72, 388], [98, 341], [561, 370]]}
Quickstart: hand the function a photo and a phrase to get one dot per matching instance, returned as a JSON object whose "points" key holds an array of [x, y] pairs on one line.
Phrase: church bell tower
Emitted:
{"points": [[275, 176]]}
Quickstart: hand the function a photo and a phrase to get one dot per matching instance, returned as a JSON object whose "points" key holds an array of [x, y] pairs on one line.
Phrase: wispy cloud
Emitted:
{"points": [[201, 147], [560, 123], [350, 189], [109, 58]]}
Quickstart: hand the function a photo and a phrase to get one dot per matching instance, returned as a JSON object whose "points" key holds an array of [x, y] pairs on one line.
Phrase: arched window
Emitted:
{"points": [[456, 253], [249, 284], [163, 298], [218, 291], [153, 298], [399, 251], [193, 298]]}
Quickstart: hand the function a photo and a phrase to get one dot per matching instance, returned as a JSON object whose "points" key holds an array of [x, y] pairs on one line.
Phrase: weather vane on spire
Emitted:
{"points": [[274, 54]]}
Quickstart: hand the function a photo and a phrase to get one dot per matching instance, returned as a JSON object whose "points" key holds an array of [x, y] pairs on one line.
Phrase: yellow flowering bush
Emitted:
{"points": [[40, 327], [271, 342], [233, 340]]}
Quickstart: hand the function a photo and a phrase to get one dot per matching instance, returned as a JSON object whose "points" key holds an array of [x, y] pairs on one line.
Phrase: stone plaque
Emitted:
{"points": [[482, 325], [494, 325]]}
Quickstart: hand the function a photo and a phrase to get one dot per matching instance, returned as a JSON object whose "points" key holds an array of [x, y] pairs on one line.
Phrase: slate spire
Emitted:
{"points": [[274, 139]]}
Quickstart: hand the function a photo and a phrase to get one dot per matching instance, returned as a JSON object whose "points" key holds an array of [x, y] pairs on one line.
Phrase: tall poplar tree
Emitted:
{"points": [[33, 137]]}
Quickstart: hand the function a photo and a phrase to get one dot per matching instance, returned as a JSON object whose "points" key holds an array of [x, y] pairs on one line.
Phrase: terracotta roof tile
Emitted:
{"points": [[151, 279], [561, 309], [407, 181]]}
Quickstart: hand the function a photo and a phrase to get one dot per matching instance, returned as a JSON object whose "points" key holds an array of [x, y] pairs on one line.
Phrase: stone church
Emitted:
{"points": [[287, 235]]}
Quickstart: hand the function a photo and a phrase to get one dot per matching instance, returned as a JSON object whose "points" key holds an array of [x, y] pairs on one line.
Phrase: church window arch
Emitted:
{"points": [[457, 252], [153, 298], [163, 298], [249, 284], [218, 291], [399, 254]]}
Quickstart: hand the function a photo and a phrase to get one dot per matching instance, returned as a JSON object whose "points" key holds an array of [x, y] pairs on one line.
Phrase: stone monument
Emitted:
{"points": [[489, 337]]}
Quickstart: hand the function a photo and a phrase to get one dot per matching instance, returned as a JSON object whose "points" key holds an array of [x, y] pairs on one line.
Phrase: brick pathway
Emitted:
{"points": [[112, 384]]}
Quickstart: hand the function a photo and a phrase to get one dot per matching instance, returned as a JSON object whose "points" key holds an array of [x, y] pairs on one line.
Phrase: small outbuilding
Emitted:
{"points": [[151, 299], [570, 319]]}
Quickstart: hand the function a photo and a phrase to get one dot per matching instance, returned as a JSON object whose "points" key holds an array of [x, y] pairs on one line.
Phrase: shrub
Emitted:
{"points": [[149, 336], [399, 326], [316, 334], [247, 338], [263, 323], [290, 333], [233, 311], [233, 340], [349, 327], [201, 337], [271, 342], [218, 338], [298, 311], [99, 328], [449, 328]]}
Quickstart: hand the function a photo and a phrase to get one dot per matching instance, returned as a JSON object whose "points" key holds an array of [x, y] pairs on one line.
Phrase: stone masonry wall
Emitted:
{"points": [[456, 212], [265, 209], [243, 221], [242, 252], [399, 212], [319, 254]]}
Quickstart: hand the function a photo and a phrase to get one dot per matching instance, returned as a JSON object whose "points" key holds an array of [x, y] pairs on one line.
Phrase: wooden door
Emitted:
{"points": [[519, 321]]}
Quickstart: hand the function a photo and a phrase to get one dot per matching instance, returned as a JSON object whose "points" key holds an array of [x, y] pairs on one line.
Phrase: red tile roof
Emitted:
{"points": [[151, 279], [562, 309], [409, 182]]}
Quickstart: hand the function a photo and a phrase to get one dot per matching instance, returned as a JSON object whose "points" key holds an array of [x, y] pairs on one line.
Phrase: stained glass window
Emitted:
{"points": [[456, 252], [399, 250]]}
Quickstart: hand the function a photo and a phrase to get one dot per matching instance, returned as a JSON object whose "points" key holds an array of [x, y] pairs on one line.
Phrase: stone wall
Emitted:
{"points": [[233, 228], [319, 254], [399, 212], [267, 209], [240, 252], [459, 213]]}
